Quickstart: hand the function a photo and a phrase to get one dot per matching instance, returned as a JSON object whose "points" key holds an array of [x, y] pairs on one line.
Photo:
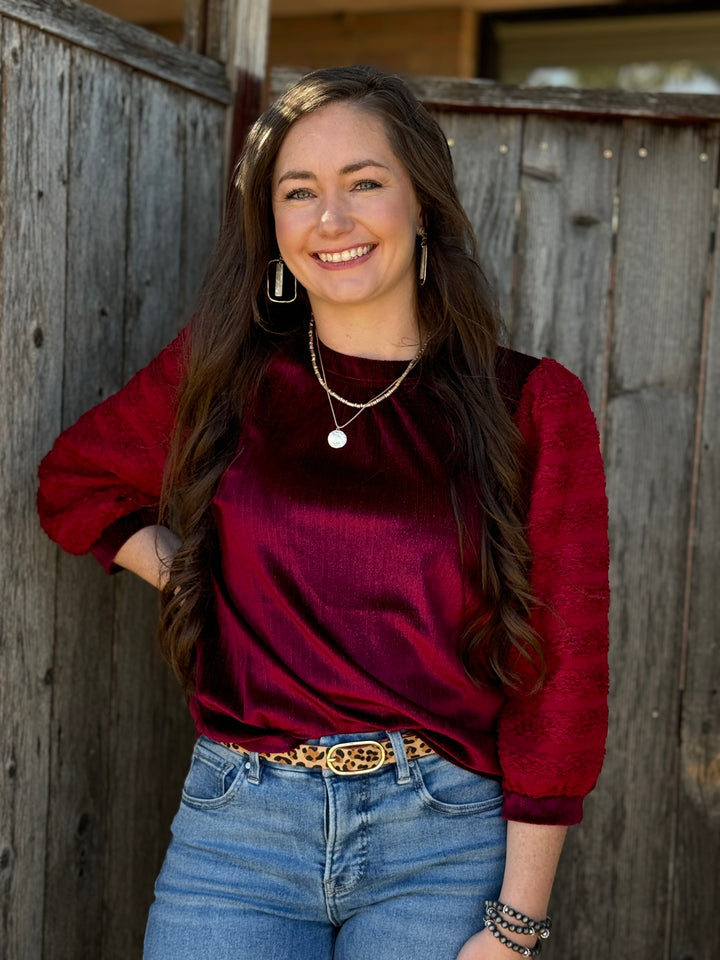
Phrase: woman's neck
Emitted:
{"points": [[360, 334]]}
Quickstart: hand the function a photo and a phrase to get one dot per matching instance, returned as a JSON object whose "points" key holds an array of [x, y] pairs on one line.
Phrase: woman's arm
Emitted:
{"points": [[533, 852], [109, 465], [149, 553]]}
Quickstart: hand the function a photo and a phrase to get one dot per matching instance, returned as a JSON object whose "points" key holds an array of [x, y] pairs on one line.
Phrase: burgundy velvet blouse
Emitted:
{"points": [[340, 592]]}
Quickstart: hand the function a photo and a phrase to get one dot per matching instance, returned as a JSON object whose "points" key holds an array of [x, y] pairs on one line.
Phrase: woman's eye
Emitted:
{"points": [[367, 185], [299, 193]]}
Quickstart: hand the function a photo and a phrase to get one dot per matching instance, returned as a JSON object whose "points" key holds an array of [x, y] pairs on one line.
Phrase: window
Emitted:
{"points": [[631, 48]]}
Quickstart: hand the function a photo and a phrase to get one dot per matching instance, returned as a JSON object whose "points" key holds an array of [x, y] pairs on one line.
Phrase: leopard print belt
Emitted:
{"points": [[347, 758]]}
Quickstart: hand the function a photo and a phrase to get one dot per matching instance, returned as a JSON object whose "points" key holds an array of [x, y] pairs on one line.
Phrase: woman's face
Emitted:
{"points": [[346, 214]]}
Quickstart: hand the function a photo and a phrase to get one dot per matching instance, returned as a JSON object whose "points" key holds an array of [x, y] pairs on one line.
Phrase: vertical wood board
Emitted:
{"points": [[216, 29], [202, 203], [665, 210], [139, 751], [560, 298], [139, 740], [194, 25], [650, 437], [97, 242], [696, 922], [648, 454], [81, 783], [247, 23], [486, 151], [34, 192], [155, 216]]}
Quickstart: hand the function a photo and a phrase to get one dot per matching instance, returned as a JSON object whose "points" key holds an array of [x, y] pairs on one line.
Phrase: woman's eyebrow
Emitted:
{"points": [[360, 164], [350, 168], [297, 175]]}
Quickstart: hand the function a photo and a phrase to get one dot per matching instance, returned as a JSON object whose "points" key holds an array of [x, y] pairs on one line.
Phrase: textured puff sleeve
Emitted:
{"points": [[551, 744], [102, 479]]}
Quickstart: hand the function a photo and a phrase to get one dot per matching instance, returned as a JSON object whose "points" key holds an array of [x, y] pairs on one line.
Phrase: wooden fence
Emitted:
{"points": [[596, 218], [110, 191]]}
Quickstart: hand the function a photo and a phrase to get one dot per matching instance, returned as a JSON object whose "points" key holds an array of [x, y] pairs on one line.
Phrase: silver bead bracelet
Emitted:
{"points": [[497, 911], [511, 944]]}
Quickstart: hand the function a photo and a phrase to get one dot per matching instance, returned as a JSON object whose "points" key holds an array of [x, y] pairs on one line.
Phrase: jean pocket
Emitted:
{"points": [[447, 788], [212, 779]]}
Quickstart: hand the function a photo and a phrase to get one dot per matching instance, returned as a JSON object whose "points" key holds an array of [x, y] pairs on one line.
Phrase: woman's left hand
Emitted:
{"points": [[484, 946]]}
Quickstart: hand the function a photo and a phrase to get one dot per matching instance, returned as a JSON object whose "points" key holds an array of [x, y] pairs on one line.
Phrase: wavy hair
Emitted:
{"points": [[236, 329]]}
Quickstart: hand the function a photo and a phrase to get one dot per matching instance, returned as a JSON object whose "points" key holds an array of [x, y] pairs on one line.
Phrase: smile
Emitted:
{"points": [[344, 256]]}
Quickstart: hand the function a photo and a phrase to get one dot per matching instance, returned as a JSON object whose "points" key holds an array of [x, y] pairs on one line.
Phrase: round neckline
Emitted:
{"points": [[352, 367]]}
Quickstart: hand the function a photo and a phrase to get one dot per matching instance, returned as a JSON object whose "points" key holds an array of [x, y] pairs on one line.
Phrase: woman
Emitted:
{"points": [[383, 556]]}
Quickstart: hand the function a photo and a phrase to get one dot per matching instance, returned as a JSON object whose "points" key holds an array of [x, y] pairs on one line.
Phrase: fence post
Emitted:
{"points": [[235, 32]]}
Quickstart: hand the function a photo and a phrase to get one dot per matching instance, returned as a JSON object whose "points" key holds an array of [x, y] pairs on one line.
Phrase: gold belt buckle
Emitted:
{"points": [[331, 759]]}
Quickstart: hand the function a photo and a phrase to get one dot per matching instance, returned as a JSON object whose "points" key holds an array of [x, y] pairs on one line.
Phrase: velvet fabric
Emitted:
{"points": [[342, 569], [340, 591]]}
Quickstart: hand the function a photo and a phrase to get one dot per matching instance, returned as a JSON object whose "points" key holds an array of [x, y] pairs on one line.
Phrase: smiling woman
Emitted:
{"points": [[381, 543], [347, 227]]}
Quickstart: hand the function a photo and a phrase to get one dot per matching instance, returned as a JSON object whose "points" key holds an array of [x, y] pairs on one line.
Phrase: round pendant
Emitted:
{"points": [[337, 439]]}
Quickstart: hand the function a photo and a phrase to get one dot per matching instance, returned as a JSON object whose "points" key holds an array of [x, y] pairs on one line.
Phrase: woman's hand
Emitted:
{"points": [[149, 553], [484, 946]]}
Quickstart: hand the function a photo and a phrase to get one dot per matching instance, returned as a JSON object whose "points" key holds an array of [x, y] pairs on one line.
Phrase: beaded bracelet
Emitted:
{"points": [[511, 944], [492, 914], [494, 908]]}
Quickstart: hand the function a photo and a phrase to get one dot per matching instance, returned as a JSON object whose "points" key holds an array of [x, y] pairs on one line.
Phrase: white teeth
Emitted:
{"points": [[345, 255]]}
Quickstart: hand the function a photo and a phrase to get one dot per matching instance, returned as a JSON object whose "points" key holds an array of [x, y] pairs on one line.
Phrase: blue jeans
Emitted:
{"points": [[272, 862]]}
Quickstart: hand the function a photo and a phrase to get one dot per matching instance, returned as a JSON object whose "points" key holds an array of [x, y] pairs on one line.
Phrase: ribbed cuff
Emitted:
{"points": [[117, 533], [558, 811]]}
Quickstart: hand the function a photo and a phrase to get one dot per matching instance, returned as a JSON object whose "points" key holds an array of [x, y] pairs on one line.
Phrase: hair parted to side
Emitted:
{"points": [[236, 329]]}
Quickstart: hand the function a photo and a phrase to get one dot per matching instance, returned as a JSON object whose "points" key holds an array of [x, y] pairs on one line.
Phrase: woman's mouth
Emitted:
{"points": [[345, 256]]}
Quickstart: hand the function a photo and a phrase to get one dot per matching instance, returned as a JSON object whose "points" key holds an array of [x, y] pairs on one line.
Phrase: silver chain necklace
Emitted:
{"points": [[338, 438]]}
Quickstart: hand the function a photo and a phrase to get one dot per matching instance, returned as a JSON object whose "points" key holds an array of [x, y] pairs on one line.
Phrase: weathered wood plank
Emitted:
{"points": [[139, 740], [560, 302], [452, 93], [665, 223], [82, 784], [203, 183], [565, 240], [664, 229], [248, 23], [154, 283], [33, 184], [142, 752], [86, 26], [696, 923], [603, 104], [217, 34], [194, 12], [486, 156]]}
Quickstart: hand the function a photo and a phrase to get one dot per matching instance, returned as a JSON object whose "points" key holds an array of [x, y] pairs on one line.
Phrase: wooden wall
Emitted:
{"points": [[110, 192], [597, 216]]}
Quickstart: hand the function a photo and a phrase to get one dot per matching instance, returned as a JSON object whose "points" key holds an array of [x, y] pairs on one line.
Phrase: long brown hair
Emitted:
{"points": [[236, 329]]}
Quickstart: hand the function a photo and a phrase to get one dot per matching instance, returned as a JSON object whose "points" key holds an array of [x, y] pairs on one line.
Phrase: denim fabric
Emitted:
{"points": [[271, 862]]}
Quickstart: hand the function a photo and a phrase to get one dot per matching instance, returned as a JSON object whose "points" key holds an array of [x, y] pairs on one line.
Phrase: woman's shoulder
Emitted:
{"points": [[553, 412], [528, 382]]}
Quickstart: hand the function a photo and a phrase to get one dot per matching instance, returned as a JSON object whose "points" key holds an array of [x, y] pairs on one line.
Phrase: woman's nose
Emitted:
{"points": [[335, 217]]}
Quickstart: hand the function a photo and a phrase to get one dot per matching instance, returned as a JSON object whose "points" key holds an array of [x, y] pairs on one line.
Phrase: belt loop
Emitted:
{"points": [[252, 765], [401, 760]]}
